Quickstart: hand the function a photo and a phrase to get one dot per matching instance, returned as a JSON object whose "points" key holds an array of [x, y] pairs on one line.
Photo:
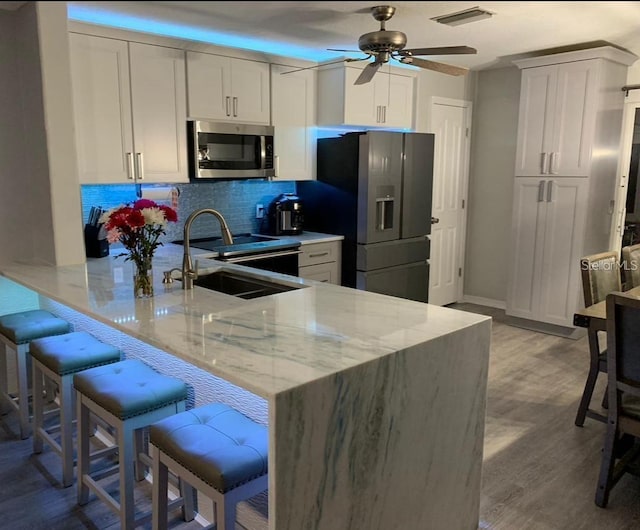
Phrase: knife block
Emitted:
{"points": [[95, 244]]}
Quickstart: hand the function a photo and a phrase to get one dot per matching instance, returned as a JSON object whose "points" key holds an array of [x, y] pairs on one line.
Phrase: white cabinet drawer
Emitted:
{"points": [[319, 253], [325, 272]]}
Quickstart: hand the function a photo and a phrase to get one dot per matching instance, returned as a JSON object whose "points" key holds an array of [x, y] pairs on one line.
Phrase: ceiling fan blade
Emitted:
{"points": [[368, 73], [339, 50], [442, 50], [436, 67]]}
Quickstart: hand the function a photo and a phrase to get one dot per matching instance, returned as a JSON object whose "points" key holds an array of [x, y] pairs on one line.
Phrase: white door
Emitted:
{"points": [[450, 121], [630, 135]]}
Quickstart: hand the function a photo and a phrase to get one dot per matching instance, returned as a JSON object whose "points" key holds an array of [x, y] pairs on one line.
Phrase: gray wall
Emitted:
{"points": [[436, 84], [491, 174], [40, 202]]}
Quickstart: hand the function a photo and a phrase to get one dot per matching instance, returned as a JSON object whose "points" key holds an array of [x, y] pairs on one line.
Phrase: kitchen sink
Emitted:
{"points": [[241, 285]]}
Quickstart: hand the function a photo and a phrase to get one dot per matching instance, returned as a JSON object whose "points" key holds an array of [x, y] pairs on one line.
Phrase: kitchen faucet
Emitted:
{"points": [[188, 272]]}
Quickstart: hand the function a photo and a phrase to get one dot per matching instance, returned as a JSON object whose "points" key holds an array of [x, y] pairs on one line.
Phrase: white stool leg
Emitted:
{"points": [[38, 405], [4, 379], [141, 468], [83, 450], [188, 494], [23, 390], [160, 493], [226, 515], [127, 460], [66, 428]]}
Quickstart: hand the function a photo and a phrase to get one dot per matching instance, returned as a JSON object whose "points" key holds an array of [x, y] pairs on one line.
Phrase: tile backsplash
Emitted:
{"points": [[235, 199]]}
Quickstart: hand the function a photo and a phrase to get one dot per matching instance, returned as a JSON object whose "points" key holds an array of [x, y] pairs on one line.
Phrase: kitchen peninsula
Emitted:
{"points": [[375, 404]]}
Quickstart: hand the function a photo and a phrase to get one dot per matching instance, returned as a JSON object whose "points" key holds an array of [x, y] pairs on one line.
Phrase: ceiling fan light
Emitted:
{"points": [[463, 17]]}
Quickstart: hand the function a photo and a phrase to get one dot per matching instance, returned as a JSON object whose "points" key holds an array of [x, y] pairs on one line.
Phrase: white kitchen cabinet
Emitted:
{"points": [[386, 101], [548, 222], [129, 111], [321, 262], [558, 106], [293, 109], [566, 158], [227, 89]]}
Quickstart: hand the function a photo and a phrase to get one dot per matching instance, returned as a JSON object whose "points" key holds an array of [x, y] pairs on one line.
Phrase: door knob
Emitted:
{"points": [[435, 220]]}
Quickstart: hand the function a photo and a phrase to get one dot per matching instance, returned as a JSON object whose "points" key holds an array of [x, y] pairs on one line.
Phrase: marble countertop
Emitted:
{"points": [[308, 238], [267, 345]]}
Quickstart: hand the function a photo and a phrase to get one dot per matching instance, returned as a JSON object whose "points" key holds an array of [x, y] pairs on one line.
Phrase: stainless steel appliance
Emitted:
{"points": [[375, 189], [285, 215], [260, 252], [229, 150]]}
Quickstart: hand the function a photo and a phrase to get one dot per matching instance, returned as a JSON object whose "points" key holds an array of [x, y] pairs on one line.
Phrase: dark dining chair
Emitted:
{"points": [[600, 276], [623, 415]]}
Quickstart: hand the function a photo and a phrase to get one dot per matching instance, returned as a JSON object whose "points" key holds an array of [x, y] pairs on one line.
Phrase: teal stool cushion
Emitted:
{"points": [[26, 326], [129, 388], [216, 443], [72, 352]]}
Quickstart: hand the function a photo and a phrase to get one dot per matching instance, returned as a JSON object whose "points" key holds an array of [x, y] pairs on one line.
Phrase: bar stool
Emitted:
{"points": [[16, 331], [57, 359], [129, 396], [215, 449]]}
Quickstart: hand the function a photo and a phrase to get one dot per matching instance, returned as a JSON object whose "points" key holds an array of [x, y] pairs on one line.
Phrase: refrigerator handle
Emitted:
{"points": [[384, 213]]}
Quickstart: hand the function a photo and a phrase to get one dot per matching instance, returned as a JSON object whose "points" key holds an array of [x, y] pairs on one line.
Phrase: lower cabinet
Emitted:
{"points": [[548, 239], [321, 262]]}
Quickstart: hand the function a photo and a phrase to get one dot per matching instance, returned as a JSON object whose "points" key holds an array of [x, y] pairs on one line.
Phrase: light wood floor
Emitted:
{"points": [[539, 470]]}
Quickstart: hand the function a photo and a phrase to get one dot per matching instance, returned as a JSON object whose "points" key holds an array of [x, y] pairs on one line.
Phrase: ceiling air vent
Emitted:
{"points": [[463, 17]]}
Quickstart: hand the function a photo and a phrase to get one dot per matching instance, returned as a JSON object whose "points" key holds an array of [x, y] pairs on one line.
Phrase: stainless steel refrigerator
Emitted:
{"points": [[375, 189]]}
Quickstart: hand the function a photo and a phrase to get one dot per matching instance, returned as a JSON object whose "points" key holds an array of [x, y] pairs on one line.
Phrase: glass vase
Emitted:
{"points": [[142, 280]]}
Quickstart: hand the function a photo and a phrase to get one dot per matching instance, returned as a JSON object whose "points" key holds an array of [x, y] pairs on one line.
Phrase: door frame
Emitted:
{"points": [[467, 105], [631, 103]]}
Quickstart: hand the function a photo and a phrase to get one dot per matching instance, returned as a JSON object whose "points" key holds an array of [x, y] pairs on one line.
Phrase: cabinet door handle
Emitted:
{"points": [[541, 191], [131, 172], [378, 114], [550, 191], [235, 106], [228, 105], [319, 255], [552, 163], [277, 165], [384, 114], [140, 164], [544, 158]]}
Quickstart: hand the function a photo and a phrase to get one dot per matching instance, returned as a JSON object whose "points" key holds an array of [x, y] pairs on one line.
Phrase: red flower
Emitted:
{"points": [[135, 219], [169, 213], [144, 203]]}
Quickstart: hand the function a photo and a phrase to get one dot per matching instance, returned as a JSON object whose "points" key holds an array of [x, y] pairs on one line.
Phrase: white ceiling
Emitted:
{"points": [[516, 29]]}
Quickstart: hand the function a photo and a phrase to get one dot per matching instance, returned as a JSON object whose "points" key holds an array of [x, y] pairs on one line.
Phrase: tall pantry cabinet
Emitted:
{"points": [[569, 128]]}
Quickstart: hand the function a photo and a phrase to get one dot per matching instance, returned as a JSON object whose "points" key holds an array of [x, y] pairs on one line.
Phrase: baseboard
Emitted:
{"points": [[488, 302], [566, 332]]}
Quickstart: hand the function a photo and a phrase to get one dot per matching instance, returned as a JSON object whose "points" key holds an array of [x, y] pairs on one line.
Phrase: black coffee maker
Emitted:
{"points": [[285, 215]]}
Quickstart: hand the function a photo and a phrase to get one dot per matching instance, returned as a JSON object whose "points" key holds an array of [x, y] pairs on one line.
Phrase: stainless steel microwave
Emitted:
{"points": [[229, 150]]}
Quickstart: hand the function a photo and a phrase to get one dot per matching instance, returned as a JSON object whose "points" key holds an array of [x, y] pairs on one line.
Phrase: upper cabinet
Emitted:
{"points": [[386, 101], [557, 117], [129, 111], [227, 89], [563, 101], [293, 109]]}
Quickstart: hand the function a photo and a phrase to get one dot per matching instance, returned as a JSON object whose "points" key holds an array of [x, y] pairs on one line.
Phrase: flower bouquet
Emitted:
{"points": [[138, 228]]}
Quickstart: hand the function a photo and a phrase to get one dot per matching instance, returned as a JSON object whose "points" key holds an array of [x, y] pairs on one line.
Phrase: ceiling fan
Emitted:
{"points": [[384, 45]]}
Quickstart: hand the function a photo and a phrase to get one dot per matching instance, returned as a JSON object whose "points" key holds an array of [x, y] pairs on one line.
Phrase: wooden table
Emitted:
{"points": [[594, 318]]}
